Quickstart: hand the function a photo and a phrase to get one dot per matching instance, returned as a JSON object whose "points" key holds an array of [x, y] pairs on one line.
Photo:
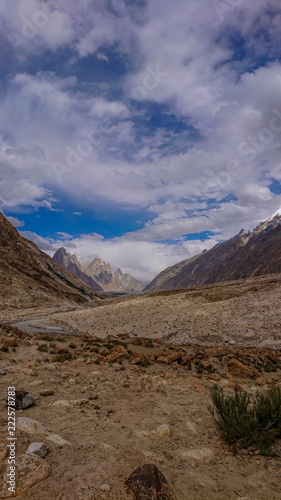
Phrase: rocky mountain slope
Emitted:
{"points": [[249, 254], [70, 262], [98, 272], [30, 278]]}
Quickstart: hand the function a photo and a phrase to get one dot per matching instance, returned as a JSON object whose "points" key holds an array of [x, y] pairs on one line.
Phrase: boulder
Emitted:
{"points": [[31, 469], [237, 369], [148, 483]]}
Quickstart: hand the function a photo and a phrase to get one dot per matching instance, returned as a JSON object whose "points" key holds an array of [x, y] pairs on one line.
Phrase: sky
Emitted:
{"points": [[142, 132]]}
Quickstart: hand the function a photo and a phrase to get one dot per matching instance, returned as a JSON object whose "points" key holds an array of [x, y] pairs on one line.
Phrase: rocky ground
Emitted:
{"points": [[105, 407], [243, 313]]}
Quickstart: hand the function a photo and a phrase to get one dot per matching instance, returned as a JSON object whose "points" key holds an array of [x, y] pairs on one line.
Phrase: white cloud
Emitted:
{"points": [[178, 54], [141, 259], [16, 222]]}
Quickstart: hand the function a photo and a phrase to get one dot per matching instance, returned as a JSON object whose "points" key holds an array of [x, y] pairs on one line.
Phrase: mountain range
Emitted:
{"points": [[246, 255], [97, 274], [30, 278]]}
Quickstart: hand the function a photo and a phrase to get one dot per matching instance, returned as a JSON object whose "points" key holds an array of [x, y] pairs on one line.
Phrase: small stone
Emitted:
{"points": [[40, 449], [47, 392], [202, 454], [30, 373], [35, 383], [58, 440], [31, 426], [105, 487], [3, 373], [163, 431], [72, 403]]}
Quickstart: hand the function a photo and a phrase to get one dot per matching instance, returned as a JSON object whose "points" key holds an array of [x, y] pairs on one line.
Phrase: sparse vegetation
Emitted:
{"points": [[61, 358], [248, 422], [47, 338], [42, 348], [4, 349]]}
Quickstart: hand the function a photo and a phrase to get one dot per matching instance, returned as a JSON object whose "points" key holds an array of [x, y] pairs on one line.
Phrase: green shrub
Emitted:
{"points": [[42, 348], [246, 421], [48, 338], [61, 358], [4, 349], [97, 361]]}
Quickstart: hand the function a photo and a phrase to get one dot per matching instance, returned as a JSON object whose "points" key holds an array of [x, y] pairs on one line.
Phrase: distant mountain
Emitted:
{"points": [[249, 254], [98, 273], [30, 278], [70, 262]]}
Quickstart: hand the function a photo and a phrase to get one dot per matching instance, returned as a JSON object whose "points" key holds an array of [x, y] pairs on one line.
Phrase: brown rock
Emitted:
{"points": [[62, 350], [113, 358], [136, 361], [238, 369], [31, 469], [174, 357], [273, 359], [11, 342], [121, 350], [47, 392], [142, 342], [214, 376], [163, 359], [148, 483]]}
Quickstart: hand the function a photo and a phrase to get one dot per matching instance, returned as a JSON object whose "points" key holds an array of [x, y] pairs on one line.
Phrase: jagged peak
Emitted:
{"points": [[61, 250]]}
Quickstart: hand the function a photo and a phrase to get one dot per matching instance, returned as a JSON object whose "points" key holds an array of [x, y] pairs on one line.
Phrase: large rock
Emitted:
{"points": [[148, 483], [237, 368], [31, 426], [23, 399], [30, 469]]}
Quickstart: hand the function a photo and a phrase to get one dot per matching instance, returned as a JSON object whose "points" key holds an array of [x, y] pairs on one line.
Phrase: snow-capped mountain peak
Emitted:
{"points": [[278, 212]]}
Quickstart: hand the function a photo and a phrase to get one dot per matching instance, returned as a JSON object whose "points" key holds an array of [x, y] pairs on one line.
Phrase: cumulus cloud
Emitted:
{"points": [[217, 73], [141, 259]]}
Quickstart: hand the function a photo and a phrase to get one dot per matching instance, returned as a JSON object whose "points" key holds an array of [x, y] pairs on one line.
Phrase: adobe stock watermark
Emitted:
{"points": [[92, 139], [257, 144], [31, 26], [224, 7], [249, 150]]}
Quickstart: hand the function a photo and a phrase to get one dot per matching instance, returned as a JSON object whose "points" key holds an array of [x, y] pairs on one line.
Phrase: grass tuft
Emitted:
{"points": [[245, 421]]}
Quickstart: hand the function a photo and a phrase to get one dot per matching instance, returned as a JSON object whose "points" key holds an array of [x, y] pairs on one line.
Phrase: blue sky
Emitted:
{"points": [[142, 132]]}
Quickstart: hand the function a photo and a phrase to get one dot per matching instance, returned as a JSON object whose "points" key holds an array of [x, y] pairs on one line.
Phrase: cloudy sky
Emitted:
{"points": [[141, 131]]}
